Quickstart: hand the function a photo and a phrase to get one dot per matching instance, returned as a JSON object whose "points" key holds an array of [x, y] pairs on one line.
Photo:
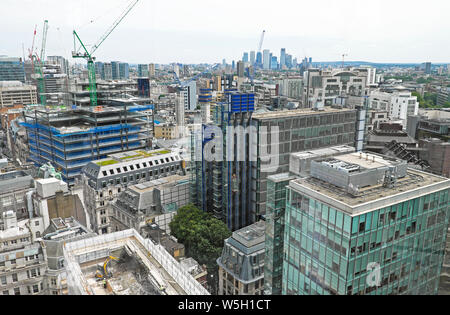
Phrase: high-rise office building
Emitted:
{"points": [[274, 63], [151, 70], [115, 70], [365, 224], [245, 57], [107, 71], [252, 58], [426, 67], [143, 71], [99, 70], [190, 96], [299, 130], [282, 58], [288, 61], [240, 69], [259, 59], [11, 69], [221, 186], [266, 59], [124, 70]]}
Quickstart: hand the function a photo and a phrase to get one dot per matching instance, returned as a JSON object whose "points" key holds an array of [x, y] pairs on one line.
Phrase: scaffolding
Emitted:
{"points": [[99, 248], [70, 139]]}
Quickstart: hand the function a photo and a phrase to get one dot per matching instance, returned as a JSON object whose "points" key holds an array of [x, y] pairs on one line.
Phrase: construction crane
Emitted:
{"points": [[89, 55], [261, 41], [31, 51], [343, 60], [40, 66]]}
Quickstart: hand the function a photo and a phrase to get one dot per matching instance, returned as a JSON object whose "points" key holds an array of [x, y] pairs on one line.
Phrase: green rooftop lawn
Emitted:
{"points": [[106, 163], [145, 154]]}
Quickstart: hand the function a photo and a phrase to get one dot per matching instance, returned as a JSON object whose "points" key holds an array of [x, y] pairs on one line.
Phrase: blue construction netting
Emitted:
{"points": [[57, 133], [140, 108]]}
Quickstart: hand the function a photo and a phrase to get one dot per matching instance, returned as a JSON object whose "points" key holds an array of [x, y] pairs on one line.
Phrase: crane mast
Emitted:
{"points": [[38, 62], [261, 41]]}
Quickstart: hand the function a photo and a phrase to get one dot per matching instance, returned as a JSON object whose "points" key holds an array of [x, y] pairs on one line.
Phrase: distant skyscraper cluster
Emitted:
{"points": [[268, 61]]}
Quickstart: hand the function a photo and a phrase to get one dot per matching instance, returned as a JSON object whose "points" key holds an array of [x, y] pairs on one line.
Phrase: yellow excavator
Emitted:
{"points": [[102, 271]]}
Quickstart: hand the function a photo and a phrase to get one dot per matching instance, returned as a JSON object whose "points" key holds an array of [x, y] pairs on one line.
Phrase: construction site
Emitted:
{"points": [[123, 263], [71, 138]]}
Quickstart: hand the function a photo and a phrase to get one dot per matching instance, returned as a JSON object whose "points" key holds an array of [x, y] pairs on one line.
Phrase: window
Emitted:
{"points": [[362, 227], [13, 261], [3, 280], [38, 234], [36, 223], [132, 167], [111, 172], [35, 288], [105, 173], [145, 164], [125, 169], [14, 277], [16, 291], [118, 170], [6, 292]]}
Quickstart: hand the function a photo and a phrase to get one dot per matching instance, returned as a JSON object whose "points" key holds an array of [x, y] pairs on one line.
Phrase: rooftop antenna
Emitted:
{"points": [[343, 60]]}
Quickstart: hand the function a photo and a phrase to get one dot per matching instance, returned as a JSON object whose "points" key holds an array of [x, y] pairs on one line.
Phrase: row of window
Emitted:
{"points": [[137, 177], [138, 166], [13, 261]]}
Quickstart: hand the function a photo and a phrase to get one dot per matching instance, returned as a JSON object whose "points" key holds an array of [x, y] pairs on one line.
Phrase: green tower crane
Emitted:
{"points": [[38, 62], [89, 55]]}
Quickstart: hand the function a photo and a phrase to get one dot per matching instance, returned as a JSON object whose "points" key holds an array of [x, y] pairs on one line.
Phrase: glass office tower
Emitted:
{"points": [[387, 238], [276, 203]]}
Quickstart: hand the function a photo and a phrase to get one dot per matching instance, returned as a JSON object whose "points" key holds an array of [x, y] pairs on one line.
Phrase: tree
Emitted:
{"points": [[202, 234], [203, 237]]}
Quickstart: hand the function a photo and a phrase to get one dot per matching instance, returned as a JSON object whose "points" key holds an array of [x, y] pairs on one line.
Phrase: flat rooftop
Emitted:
{"points": [[299, 112], [130, 156], [415, 184], [251, 235], [366, 160], [150, 185]]}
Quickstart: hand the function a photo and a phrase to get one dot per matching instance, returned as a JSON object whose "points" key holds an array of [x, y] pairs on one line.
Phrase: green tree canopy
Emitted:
{"points": [[201, 233]]}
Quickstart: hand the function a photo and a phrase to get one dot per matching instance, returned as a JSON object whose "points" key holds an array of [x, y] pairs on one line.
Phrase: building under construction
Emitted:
{"points": [[123, 263], [71, 138]]}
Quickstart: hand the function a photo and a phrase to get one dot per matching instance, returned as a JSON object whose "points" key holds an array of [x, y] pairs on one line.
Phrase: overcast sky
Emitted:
{"points": [[195, 31]]}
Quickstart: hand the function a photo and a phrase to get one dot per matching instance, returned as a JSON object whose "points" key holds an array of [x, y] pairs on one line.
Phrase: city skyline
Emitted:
{"points": [[188, 32]]}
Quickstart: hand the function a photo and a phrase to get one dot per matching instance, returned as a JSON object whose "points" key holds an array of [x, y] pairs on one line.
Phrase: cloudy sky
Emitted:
{"points": [[195, 31]]}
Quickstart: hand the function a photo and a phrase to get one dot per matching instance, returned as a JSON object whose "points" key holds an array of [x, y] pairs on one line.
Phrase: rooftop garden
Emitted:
{"points": [[106, 163], [145, 154]]}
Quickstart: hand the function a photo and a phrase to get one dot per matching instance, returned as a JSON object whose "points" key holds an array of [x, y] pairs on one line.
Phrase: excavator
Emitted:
{"points": [[102, 271]]}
